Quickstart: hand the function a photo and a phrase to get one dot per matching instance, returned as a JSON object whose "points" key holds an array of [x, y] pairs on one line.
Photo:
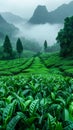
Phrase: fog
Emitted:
{"points": [[40, 33]]}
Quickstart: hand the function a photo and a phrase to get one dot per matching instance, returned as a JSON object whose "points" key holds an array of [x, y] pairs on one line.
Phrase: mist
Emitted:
{"points": [[40, 33]]}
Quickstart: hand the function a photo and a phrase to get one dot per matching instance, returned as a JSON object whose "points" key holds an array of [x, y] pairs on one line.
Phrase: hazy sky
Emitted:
{"points": [[25, 8]]}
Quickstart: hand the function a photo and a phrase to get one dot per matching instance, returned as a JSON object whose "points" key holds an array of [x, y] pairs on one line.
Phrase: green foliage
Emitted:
{"points": [[65, 38], [58, 126], [28, 54], [7, 52], [31, 45], [11, 125], [45, 46], [33, 107], [53, 48], [57, 64], [19, 46], [36, 103], [13, 122], [14, 67], [7, 113], [68, 125], [7, 48]]}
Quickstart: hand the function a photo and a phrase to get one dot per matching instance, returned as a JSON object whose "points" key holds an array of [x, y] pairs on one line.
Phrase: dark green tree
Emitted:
{"points": [[45, 46], [19, 47], [7, 48], [65, 38]]}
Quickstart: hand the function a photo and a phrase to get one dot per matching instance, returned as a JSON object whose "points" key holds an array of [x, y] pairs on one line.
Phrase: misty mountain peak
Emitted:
{"points": [[40, 15], [41, 7], [40, 10]]}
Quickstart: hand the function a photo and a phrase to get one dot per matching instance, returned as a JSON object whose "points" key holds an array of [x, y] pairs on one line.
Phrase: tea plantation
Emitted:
{"points": [[36, 93]]}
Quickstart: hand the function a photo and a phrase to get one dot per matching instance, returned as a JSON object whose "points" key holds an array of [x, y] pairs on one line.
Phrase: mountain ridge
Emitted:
{"points": [[56, 16], [12, 18], [39, 11], [6, 28]]}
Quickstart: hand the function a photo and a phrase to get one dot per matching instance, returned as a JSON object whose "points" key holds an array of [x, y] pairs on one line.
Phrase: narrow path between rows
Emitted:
{"points": [[37, 67]]}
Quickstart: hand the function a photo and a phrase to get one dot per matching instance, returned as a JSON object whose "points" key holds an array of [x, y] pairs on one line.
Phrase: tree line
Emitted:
{"points": [[8, 49], [64, 39]]}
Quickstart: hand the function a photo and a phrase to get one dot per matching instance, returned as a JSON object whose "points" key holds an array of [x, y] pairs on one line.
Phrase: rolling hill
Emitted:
{"points": [[12, 18], [6, 28]]}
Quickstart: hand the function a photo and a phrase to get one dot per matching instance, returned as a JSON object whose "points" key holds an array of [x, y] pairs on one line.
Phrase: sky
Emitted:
{"points": [[25, 8]]}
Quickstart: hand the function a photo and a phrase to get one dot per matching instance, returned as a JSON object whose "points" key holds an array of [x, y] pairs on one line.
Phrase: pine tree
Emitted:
{"points": [[7, 47], [19, 47], [45, 46]]}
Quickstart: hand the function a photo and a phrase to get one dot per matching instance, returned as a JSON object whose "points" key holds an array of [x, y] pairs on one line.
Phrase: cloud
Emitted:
{"points": [[40, 33]]}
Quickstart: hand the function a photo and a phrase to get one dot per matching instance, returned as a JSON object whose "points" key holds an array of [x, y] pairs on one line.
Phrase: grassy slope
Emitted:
{"points": [[54, 62], [44, 65], [37, 67]]}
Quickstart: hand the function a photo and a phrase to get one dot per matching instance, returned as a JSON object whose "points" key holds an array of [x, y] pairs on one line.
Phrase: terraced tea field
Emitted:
{"points": [[22, 66], [43, 65], [36, 93]]}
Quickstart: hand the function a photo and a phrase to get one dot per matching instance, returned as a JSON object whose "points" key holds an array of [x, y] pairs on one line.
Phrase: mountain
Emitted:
{"points": [[12, 18], [58, 15], [6, 28], [41, 14]]}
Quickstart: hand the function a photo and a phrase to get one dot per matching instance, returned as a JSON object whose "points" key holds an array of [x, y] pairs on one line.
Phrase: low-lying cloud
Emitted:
{"points": [[40, 33]]}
